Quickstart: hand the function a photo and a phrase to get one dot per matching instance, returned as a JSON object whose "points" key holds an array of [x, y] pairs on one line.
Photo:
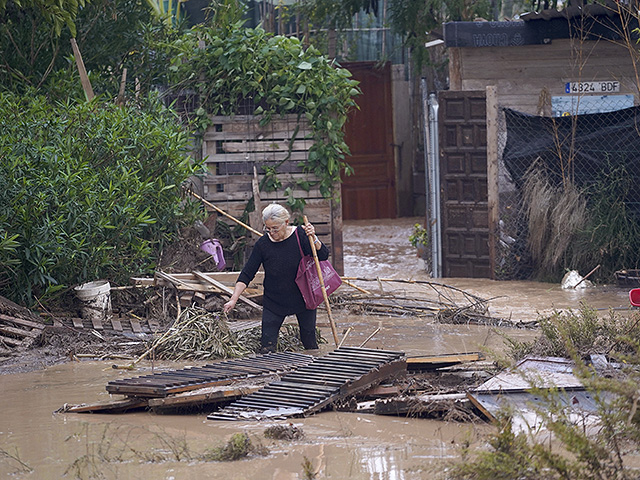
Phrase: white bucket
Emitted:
{"points": [[95, 298]]}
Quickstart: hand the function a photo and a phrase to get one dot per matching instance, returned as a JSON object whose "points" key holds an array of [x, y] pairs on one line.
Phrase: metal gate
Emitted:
{"points": [[463, 184], [371, 191]]}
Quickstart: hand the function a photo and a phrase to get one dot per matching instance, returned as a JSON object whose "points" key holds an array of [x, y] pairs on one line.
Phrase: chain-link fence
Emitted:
{"points": [[569, 190]]}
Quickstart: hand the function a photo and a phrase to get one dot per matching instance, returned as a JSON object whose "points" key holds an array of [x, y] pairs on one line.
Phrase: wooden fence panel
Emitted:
{"points": [[233, 146]]}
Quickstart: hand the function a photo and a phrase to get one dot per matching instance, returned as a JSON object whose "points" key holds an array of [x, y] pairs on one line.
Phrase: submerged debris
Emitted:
{"points": [[447, 304], [238, 446], [284, 432]]}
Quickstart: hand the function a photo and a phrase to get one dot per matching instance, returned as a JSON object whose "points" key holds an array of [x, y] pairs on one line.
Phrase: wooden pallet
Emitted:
{"points": [[239, 152], [311, 388], [221, 373], [112, 324]]}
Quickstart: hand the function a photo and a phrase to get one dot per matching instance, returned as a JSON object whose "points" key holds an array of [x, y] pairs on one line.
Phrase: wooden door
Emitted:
{"points": [[370, 192], [463, 184]]}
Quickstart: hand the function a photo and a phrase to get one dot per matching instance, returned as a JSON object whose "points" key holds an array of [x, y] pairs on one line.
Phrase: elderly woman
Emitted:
{"points": [[279, 253]]}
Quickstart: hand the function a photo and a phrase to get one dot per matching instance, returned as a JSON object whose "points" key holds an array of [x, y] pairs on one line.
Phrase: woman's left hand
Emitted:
{"points": [[309, 229]]}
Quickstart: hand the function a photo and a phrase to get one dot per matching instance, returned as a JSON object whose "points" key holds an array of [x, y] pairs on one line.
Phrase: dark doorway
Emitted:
{"points": [[370, 192]]}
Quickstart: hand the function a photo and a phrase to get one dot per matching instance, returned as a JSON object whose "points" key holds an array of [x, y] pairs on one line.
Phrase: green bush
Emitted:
{"points": [[87, 191], [275, 75]]}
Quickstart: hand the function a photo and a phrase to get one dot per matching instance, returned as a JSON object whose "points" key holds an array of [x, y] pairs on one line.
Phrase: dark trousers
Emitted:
{"points": [[272, 322]]}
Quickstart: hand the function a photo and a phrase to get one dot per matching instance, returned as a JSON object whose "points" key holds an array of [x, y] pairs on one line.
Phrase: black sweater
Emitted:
{"points": [[280, 261]]}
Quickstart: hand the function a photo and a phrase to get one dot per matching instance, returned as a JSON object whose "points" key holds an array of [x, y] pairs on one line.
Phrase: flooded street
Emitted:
{"points": [[36, 443]]}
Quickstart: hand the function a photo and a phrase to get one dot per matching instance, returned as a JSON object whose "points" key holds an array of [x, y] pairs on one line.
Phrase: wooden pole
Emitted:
{"points": [[587, 276], [493, 192], [324, 290], [84, 78], [123, 84], [222, 212]]}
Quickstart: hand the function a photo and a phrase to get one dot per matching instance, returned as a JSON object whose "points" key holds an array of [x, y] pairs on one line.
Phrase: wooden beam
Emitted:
{"points": [[433, 362], [19, 332], [203, 396], [455, 69], [493, 195], [21, 321], [226, 289], [84, 78], [116, 406]]}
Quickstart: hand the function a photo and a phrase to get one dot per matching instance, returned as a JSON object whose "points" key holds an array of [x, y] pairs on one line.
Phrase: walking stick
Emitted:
{"points": [[324, 290]]}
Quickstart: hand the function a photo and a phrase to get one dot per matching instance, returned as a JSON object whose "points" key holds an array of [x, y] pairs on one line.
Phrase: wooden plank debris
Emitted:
{"points": [[18, 333], [515, 388], [209, 396], [427, 404], [434, 362], [214, 374], [114, 406], [196, 283], [225, 289]]}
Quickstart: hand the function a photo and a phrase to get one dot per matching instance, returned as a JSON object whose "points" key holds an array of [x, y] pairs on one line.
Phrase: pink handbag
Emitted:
{"points": [[309, 283]]}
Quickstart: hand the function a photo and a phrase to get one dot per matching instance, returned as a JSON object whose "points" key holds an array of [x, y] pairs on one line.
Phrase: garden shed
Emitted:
{"points": [[576, 66]]}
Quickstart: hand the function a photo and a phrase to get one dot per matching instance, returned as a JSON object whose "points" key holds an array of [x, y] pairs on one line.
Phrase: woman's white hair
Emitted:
{"points": [[275, 212]]}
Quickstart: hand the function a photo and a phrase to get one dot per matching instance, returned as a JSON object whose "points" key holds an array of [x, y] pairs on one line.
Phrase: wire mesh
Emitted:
{"points": [[569, 190]]}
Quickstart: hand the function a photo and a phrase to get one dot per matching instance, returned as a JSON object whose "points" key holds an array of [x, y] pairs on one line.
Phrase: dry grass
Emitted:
{"points": [[202, 335], [555, 215]]}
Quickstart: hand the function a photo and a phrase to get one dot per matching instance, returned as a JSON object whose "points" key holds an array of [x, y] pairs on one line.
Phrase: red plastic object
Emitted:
{"points": [[634, 297]]}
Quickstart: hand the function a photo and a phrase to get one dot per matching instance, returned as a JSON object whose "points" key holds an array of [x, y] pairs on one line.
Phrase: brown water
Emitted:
{"points": [[338, 444]]}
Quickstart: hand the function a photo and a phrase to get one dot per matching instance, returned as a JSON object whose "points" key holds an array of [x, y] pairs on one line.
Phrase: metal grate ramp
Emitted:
{"points": [[310, 388], [192, 378]]}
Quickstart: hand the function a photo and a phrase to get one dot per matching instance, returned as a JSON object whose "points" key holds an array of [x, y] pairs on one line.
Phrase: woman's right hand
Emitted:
{"points": [[229, 305]]}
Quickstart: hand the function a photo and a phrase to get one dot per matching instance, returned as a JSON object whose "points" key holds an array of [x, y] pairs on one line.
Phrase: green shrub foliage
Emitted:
{"points": [[274, 74], [87, 191]]}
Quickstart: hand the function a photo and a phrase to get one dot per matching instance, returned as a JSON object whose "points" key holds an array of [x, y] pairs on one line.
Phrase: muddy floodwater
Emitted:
{"points": [[36, 443]]}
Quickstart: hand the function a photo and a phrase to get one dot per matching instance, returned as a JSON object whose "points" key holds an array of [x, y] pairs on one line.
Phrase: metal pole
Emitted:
{"points": [[427, 141], [436, 244]]}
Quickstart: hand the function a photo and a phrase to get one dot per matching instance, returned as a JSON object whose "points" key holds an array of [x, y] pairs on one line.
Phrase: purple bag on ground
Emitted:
{"points": [[214, 248], [308, 281]]}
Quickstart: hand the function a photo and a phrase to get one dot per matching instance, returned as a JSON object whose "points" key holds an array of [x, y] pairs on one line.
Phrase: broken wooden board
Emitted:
{"points": [[191, 282], [209, 396], [18, 333], [345, 371], [434, 362], [220, 373], [225, 289], [427, 404], [115, 406]]}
